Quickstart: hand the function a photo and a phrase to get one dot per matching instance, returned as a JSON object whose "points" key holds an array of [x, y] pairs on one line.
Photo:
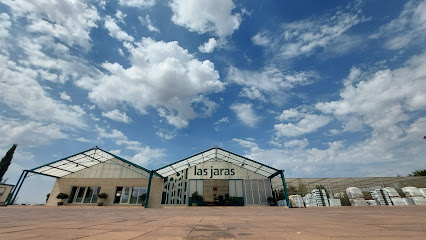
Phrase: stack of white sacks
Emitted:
{"points": [[324, 196], [379, 200], [296, 201], [310, 200], [394, 196], [414, 196], [356, 198], [316, 197]]}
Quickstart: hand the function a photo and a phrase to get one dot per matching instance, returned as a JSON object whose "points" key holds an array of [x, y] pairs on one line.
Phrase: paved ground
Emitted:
{"points": [[30, 222]]}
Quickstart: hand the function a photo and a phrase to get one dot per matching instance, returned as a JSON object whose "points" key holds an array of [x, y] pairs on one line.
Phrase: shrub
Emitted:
{"points": [[62, 196], [103, 196]]}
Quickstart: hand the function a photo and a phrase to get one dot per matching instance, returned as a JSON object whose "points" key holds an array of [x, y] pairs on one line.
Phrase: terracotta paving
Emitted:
{"points": [[105, 223]]}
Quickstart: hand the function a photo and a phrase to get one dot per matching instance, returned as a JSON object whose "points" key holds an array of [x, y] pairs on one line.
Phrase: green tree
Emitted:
{"points": [[417, 173], [5, 161]]}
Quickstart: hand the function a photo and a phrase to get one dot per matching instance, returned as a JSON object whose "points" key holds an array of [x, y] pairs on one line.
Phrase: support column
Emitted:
{"points": [[285, 188], [149, 188], [14, 188], [19, 187]]}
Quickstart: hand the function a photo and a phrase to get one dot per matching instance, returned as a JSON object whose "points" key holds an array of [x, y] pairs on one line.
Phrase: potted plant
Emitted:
{"points": [[196, 198], [233, 201], [271, 201], [62, 197], [102, 198]]}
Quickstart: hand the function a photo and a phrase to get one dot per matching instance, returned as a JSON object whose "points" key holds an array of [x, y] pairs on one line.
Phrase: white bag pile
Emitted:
{"points": [[335, 202], [376, 194], [394, 196], [310, 200], [317, 195], [296, 201], [422, 191], [371, 202], [414, 196], [356, 198], [324, 196]]}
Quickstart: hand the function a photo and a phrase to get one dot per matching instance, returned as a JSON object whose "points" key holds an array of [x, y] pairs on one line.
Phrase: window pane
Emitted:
{"points": [[142, 191], [88, 195], [95, 194], [118, 193], [80, 195], [125, 196], [72, 194], [135, 194]]}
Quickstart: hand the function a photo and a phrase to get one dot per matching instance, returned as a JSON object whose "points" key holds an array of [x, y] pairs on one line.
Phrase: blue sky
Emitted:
{"points": [[318, 88]]}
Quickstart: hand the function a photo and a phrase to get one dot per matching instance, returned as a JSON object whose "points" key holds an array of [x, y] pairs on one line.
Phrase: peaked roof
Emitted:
{"points": [[77, 162], [215, 154]]}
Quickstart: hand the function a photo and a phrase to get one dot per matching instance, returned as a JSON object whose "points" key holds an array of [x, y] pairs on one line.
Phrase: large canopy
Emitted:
{"points": [[78, 162], [218, 154]]}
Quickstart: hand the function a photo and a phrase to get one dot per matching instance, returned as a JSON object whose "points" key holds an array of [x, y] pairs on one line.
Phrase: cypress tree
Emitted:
{"points": [[5, 161]]}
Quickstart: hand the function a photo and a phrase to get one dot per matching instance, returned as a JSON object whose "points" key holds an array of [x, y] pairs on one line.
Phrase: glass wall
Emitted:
{"points": [[84, 195], [130, 195]]}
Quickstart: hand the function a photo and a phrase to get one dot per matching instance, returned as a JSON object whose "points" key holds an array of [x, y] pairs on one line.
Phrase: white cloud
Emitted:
{"points": [[117, 116], [306, 36], [146, 21], [119, 15], [114, 134], [309, 123], [290, 114], [245, 113], [383, 99], [20, 91], [41, 19], [137, 3], [208, 46], [408, 29], [147, 154], [206, 16], [27, 133], [222, 120], [165, 135], [163, 75], [115, 30], [65, 96], [271, 81], [5, 25]]}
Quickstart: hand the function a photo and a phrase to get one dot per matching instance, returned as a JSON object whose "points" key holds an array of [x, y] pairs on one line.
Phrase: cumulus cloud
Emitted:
{"points": [[115, 30], [309, 123], [137, 3], [245, 113], [27, 133], [307, 36], [117, 116], [407, 29], [271, 81], [41, 19], [203, 16], [143, 154], [383, 99], [162, 75], [22, 92], [146, 21], [65, 96], [208, 46]]}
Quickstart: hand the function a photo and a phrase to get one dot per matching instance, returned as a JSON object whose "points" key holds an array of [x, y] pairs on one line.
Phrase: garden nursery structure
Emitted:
{"points": [[215, 177]]}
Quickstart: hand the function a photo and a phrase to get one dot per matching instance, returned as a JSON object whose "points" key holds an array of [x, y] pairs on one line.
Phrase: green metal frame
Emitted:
{"points": [[149, 188], [285, 188]]}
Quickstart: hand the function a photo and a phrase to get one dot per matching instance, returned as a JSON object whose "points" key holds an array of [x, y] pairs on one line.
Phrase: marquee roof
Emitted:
{"points": [[218, 154], [77, 162]]}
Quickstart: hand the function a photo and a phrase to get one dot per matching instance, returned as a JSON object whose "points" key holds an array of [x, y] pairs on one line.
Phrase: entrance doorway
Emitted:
{"points": [[216, 193]]}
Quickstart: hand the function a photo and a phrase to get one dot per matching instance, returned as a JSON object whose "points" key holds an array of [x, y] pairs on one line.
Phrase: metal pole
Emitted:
{"points": [[285, 188], [381, 182], [17, 183], [332, 195], [149, 188], [19, 188]]}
